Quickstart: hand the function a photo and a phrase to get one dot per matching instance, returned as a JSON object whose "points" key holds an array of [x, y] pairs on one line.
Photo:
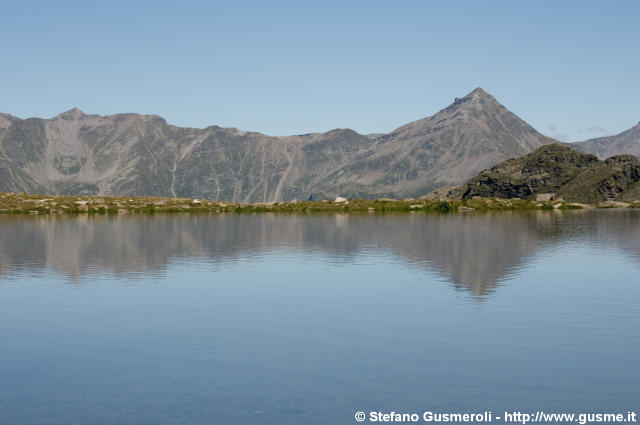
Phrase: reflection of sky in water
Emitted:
{"points": [[287, 320]]}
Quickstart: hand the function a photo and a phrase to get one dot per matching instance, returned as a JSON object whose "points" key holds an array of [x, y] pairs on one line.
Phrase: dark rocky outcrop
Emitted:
{"points": [[562, 171]]}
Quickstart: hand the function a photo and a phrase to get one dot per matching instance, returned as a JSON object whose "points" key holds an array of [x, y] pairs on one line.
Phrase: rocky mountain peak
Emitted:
{"points": [[479, 92], [71, 114], [478, 98]]}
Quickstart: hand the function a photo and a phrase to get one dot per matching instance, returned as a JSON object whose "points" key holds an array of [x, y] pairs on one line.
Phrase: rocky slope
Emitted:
{"points": [[130, 154], [627, 142], [562, 171]]}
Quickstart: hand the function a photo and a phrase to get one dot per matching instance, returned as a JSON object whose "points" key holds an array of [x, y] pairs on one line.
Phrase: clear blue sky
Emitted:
{"points": [[571, 69]]}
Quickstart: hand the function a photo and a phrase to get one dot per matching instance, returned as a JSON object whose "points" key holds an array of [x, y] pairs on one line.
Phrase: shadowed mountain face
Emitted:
{"points": [[472, 252], [131, 154], [627, 142]]}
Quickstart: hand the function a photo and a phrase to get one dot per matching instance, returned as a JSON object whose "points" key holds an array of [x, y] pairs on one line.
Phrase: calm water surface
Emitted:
{"points": [[272, 319]]}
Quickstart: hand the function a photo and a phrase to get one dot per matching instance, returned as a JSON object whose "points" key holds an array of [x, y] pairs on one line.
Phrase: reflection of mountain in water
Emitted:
{"points": [[473, 251]]}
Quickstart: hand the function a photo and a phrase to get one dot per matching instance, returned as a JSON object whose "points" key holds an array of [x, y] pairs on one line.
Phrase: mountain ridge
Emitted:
{"points": [[133, 154], [626, 142]]}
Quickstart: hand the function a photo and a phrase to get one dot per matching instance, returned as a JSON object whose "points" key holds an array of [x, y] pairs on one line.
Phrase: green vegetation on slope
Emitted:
{"points": [[559, 170], [16, 203]]}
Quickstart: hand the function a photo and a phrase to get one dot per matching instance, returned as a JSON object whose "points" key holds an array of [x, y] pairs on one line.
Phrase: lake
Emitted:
{"points": [[284, 319]]}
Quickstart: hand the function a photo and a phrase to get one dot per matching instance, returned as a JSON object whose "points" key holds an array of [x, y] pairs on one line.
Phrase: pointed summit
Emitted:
{"points": [[473, 133], [478, 95], [71, 114], [477, 92]]}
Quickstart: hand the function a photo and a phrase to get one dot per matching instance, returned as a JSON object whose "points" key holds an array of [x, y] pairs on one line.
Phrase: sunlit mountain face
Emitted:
{"points": [[130, 154]]}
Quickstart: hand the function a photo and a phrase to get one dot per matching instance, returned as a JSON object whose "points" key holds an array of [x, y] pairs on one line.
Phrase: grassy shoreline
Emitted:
{"points": [[19, 203]]}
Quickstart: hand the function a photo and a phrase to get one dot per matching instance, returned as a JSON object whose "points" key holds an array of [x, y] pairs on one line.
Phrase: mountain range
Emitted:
{"points": [[131, 154]]}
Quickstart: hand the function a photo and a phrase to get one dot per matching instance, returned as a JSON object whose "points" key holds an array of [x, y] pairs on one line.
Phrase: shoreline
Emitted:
{"points": [[19, 203]]}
